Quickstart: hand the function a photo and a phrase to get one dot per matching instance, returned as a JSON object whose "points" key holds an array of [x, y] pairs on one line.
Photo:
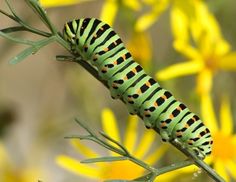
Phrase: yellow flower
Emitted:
{"points": [[149, 18], [110, 9], [9, 172], [143, 52], [55, 3], [208, 53], [139, 147]]}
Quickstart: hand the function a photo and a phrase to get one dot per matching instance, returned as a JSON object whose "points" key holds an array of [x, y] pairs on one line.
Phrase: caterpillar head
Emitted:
{"points": [[69, 32]]}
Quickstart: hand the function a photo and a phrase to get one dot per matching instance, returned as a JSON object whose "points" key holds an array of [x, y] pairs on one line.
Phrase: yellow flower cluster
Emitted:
{"points": [[197, 38], [10, 172]]}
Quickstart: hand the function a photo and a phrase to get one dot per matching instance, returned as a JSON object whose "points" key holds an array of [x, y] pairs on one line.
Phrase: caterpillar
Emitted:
{"points": [[97, 43]]}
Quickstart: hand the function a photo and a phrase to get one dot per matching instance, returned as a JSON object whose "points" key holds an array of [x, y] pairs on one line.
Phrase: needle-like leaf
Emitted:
{"points": [[104, 159]]}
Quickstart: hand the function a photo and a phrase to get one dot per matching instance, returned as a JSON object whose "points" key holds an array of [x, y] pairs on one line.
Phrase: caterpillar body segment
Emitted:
{"points": [[134, 97], [97, 43], [115, 61]]}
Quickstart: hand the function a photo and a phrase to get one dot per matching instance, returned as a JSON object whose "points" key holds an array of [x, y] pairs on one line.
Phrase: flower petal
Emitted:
{"points": [[226, 120], [157, 154], [220, 168], [180, 69], [83, 149], [133, 4], [131, 135], [55, 3], [207, 28], [146, 20], [110, 125], [228, 62], [75, 166], [179, 24], [208, 114], [3, 154], [109, 11], [176, 174], [141, 54], [204, 81], [145, 143], [231, 166]]}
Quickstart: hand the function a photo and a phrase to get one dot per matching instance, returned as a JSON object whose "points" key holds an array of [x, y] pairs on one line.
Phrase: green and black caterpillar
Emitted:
{"points": [[97, 42]]}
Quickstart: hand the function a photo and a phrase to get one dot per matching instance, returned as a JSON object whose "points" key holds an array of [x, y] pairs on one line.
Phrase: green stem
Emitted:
{"points": [[199, 162], [21, 22], [175, 166], [14, 39], [143, 164], [42, 14], [23, 28]]}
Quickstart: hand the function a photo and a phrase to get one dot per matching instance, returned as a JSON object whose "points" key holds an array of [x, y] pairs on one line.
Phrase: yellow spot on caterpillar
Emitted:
{"points": [[104, 69], [124, 57], [155, 104], [134, 71], [186, 126], [164, 97], [190, 142], [163, 124], [114, 85], [95, 58], [178, 133], [171, 116], [106, 49], [139, 92], [146, 113], [148, 84]]}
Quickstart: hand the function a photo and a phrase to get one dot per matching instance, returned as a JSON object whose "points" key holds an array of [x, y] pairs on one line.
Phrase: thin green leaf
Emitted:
{"points": [[13, 29], [25, 28], [21, 56], [115, 142], [12, 10], [81, 137], [85, 127], [31, 50], [104, 159], [116, 180], [8, 15], [17, 40], [146, 177], [36, 6]]}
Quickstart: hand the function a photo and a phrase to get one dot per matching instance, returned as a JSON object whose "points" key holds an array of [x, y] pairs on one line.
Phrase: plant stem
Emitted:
{"points": [[175, 166], [143, 164], [14, 39]]}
